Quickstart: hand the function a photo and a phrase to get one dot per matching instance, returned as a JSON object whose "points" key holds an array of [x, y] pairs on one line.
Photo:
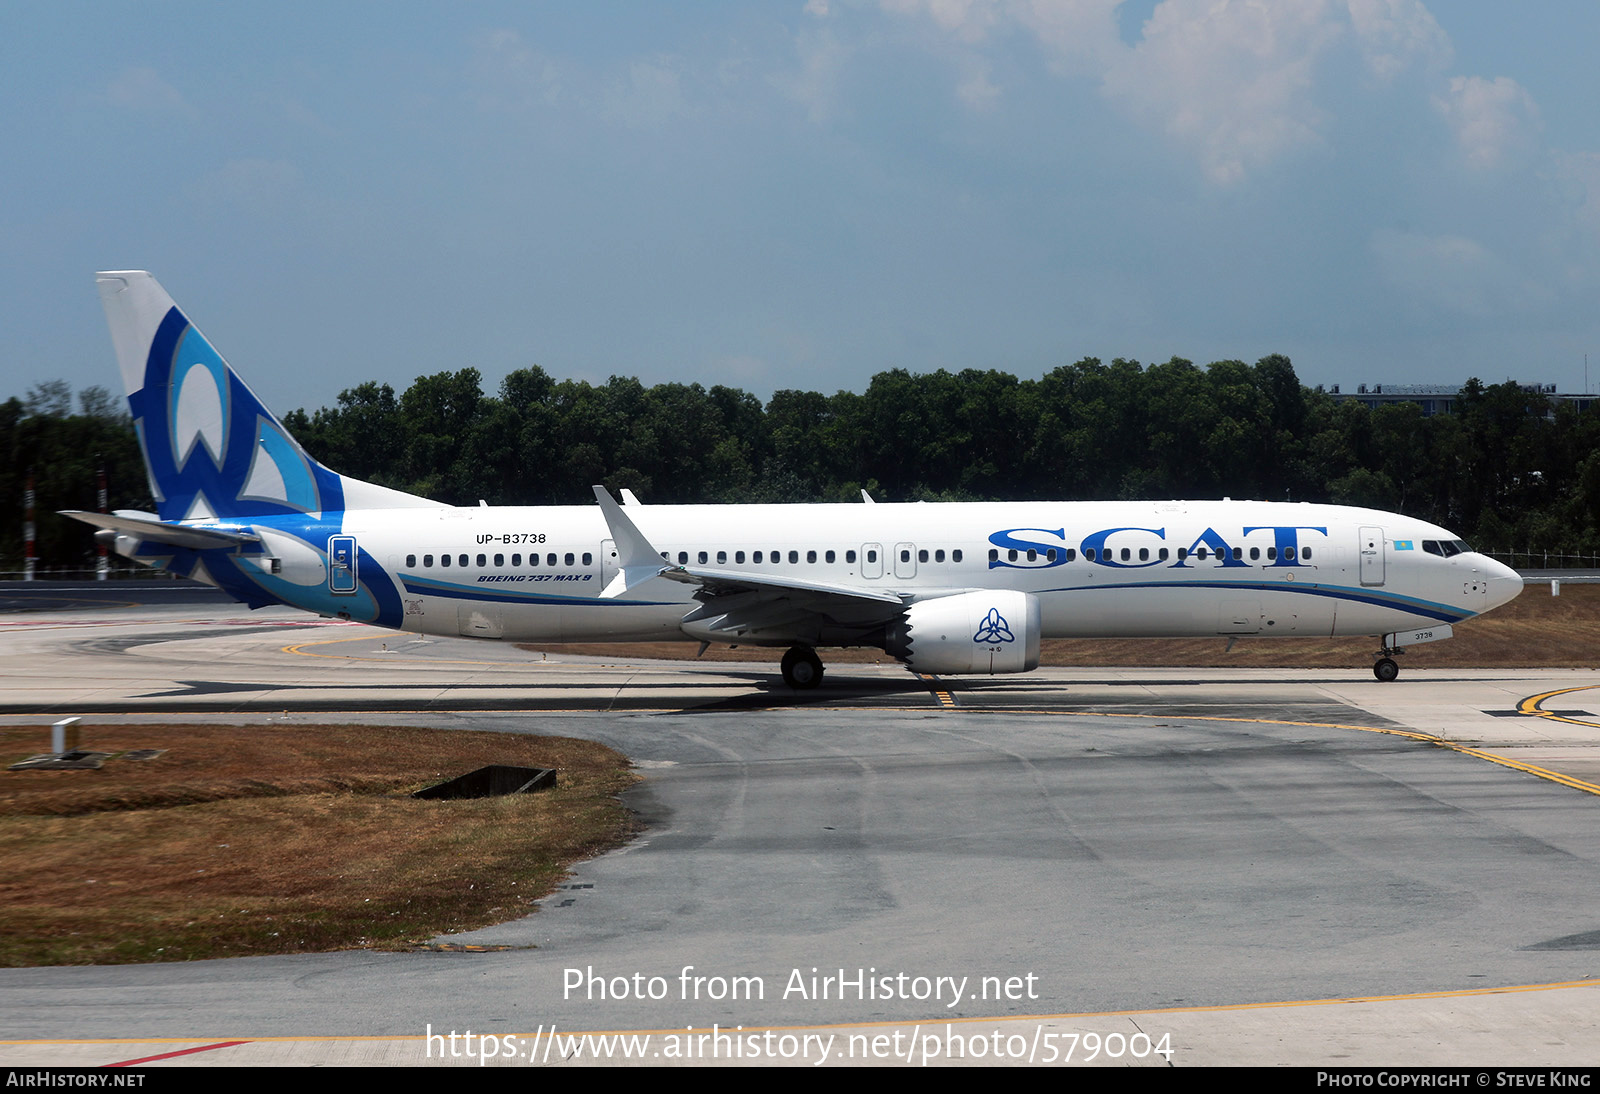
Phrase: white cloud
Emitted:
{"points": [[967, 20], [815, 85], [1230, 81], [513, 75], [648, 95], [1081, 35], [1394, 34], [1238, 84], [1453, 274], [976, 90], [1495, 122], [143, 89]]}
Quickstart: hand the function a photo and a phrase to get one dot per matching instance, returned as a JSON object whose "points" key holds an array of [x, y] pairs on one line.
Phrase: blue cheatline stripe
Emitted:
{"points": [[1442, 612], [501, 595]]}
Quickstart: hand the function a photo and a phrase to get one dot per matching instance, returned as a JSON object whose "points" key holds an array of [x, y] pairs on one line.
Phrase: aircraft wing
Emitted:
{"points": [[734, 601]]}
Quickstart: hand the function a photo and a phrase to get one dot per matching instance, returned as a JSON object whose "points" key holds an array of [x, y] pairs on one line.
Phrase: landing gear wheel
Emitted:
{"points": [[1386, 669], [802, 668]]}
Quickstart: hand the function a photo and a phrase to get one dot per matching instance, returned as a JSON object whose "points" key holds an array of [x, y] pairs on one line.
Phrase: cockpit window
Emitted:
{"points": [[1445, 548]]}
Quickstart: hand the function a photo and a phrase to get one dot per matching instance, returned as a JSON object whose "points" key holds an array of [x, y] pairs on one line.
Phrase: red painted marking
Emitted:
{"points": [[180, 1052]]}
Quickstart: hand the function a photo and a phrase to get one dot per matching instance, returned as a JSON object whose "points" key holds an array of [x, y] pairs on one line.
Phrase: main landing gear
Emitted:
{"points": [[802, 668], [1386, 668]]}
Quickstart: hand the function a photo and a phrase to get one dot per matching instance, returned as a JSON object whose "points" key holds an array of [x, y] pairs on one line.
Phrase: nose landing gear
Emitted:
{"points": [[1386, 668]]}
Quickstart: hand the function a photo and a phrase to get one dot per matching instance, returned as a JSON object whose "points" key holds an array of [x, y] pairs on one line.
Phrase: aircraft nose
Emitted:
{"points": [[1504, 582]]}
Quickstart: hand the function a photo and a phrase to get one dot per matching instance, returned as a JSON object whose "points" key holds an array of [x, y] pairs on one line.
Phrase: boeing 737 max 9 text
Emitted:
{"points": [[945, 588]]}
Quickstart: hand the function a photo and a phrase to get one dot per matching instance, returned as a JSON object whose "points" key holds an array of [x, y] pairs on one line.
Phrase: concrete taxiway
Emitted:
{"points": [[1269, 866]]}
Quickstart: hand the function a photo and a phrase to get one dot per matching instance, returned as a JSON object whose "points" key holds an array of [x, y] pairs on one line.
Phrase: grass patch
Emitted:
{"points": [[284, 839]]}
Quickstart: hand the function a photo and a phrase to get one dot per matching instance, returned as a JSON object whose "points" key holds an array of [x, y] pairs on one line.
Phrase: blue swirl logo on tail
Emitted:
{"points": [[212, 448]]}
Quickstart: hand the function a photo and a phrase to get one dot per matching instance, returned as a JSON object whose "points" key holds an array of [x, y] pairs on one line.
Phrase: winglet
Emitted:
{"points": [[637, 560]]}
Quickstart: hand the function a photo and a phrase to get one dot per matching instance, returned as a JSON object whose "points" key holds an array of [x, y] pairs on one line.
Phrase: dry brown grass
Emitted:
{"points": [[1535, 630], [283, 839]]}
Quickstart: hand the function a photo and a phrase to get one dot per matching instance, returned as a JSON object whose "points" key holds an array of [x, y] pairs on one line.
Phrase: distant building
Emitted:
{"points": [[1441, 398]]}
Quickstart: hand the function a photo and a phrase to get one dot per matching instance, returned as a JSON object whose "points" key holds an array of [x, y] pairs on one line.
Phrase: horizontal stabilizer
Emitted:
{"points": [[153, 530]]}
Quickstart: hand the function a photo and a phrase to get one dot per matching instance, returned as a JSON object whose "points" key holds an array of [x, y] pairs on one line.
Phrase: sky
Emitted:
{"points": [[802, 194]]}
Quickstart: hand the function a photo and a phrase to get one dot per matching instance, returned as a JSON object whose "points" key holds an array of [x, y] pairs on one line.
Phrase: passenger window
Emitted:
{"points": [[411, 561], [850, 556], [461, 560], [872, 556], [1126, 554], [738, 556], [499, 561], [905, 554], [955, 556], [1183, 553], [683, 558], [482, 562], [922, 555], [1255, 553], [811, 557], [1238, 554], [1162, 554], [1305, 554], [427, 560], [722, 558], [994, 555], [938, 556], [444, 560], [588, 558], [1088, 554], [702, 557], [758, 558], [1072, 555], [1202, 554], [1011, 555], [1272, 554], [828, 557], [516, 561], [1288, 554], [550, 559], [569, 559], [794, 558]]}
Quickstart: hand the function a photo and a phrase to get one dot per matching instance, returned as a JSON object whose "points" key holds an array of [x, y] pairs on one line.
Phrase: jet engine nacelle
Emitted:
{"points": [[982, 632]]}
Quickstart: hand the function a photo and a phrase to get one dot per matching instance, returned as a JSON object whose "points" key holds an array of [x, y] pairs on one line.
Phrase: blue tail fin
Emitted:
{"points": [[213, 451]]}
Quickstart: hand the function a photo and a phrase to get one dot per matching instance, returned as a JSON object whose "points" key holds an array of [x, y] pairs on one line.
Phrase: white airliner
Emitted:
{"points": [[945, 588]]}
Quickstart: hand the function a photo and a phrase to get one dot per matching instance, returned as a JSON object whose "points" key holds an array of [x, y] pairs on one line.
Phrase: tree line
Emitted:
{"points": [[1504, 469]]}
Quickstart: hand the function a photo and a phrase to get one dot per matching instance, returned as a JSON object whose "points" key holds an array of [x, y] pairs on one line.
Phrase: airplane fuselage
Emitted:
{"points": [[1099, 569]]}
